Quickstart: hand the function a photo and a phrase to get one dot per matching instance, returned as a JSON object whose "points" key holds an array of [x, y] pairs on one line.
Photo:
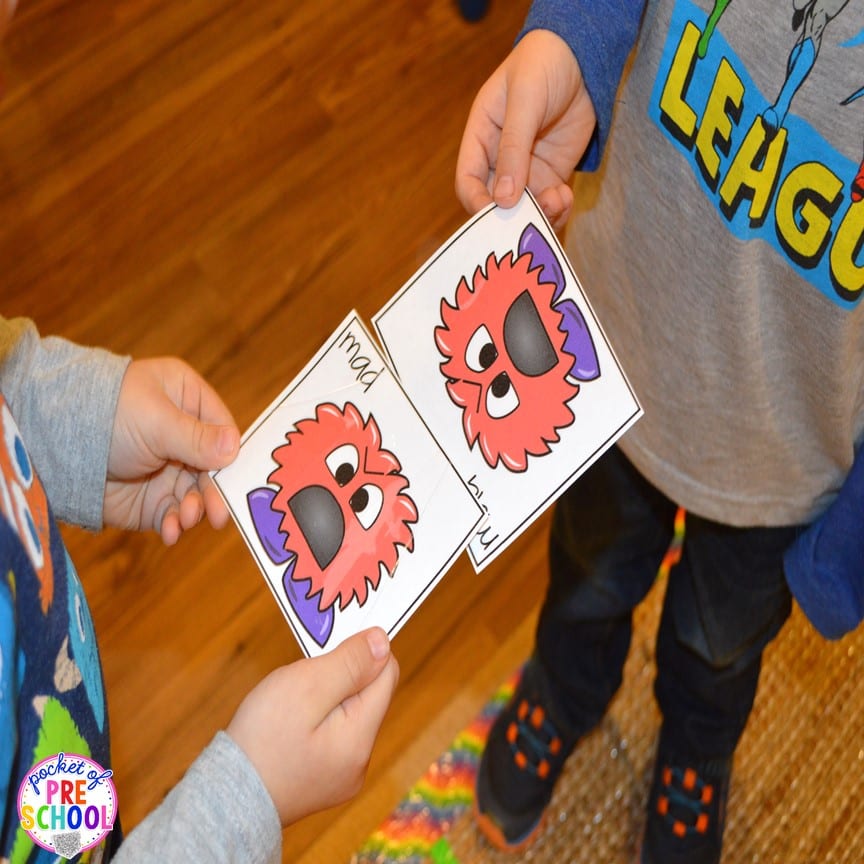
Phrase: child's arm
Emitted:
{"points": [[534, 120], [299, 743], [119, 443], [824, 565]]}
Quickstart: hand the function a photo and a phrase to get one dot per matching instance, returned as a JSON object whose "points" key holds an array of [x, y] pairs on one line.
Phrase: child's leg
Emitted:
{"points": [[726, 600], [724, 603], [609, 534]]}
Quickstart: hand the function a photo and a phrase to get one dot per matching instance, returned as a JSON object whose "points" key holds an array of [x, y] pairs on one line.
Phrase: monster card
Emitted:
{"points": [[498, 348], [345, 500]]}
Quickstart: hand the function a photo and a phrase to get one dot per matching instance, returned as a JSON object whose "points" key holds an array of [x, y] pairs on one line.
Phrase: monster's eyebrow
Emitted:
{"points": [[392, 468], [475, 384]]}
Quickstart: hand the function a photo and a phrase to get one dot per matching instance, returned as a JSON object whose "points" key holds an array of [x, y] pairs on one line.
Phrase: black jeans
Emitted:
{"points": [[724, 602]]}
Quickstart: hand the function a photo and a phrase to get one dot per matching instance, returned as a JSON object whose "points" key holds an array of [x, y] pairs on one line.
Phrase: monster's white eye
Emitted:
{"points": [[366, 503], [501, 397], [480, 353], [342, 463]]}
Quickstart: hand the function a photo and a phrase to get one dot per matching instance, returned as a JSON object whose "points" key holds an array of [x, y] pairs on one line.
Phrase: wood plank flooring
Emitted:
{"points": [[225, 181]]}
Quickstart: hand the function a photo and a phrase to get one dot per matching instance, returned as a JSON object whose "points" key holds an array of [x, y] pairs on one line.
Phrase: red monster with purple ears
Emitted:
{"points": [[337, 515], [515, 353]]}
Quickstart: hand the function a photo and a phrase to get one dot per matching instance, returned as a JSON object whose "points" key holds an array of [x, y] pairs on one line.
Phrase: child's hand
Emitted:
{"points": [[529, 125], [308, 728], [170, 429]]}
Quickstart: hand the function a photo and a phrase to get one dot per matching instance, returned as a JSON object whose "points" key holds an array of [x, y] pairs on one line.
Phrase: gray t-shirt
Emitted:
{"points": [[720, 244]]}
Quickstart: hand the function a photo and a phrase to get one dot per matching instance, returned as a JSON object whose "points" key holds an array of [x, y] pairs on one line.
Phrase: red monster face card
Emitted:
{"points": [[496, 345], [350, 508]]}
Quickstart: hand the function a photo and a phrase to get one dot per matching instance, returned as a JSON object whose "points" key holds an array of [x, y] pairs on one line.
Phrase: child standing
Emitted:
{"points": [[719, 243]]}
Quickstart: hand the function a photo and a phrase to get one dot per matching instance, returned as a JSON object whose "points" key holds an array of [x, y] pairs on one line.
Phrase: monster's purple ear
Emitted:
{"points": [[267, 522], [535, 244], [318, 623], [578, 344]]}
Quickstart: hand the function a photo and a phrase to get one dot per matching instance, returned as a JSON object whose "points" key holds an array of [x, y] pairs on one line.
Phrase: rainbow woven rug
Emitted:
{"points": [[416, 832]]}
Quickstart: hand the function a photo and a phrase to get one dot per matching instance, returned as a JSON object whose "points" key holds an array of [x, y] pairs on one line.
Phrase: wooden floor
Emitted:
{"points": [[225, 180]]}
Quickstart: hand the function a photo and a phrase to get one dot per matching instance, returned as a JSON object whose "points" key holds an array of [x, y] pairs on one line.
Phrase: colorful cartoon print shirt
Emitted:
{"points": [[52, 698], [721, 241]]}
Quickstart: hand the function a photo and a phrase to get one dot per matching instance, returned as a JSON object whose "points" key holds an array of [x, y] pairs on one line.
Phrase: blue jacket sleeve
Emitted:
{"points": [[824, 567], [601, 34]]}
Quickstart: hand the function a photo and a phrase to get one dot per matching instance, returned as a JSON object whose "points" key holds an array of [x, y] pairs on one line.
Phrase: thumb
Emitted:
{"points": [[199, 445], [351, 667]]}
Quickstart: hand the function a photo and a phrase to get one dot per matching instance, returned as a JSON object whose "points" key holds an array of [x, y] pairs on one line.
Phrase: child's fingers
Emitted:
{"points": [[522, 119], [365, 711], [214, 503], [181, 437], [473, 163]]}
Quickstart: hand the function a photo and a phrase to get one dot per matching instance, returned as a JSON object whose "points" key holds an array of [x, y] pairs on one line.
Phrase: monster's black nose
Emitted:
{"points": [[319, 518], [528, 344]]}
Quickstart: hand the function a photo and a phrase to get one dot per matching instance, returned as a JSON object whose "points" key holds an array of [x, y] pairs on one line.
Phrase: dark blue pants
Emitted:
{"points": [[724, 602]]}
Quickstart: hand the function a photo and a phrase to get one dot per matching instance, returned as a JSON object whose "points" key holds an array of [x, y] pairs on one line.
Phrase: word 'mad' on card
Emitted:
{"points": [[348, 505], [496, 344]]}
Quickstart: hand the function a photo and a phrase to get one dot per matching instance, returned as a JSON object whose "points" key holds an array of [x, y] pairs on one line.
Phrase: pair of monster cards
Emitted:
{"points": [[365, 479]]}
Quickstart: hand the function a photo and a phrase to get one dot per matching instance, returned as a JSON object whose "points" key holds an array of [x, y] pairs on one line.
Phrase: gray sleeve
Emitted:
{"points": [[219, 813], [63, 397]]}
